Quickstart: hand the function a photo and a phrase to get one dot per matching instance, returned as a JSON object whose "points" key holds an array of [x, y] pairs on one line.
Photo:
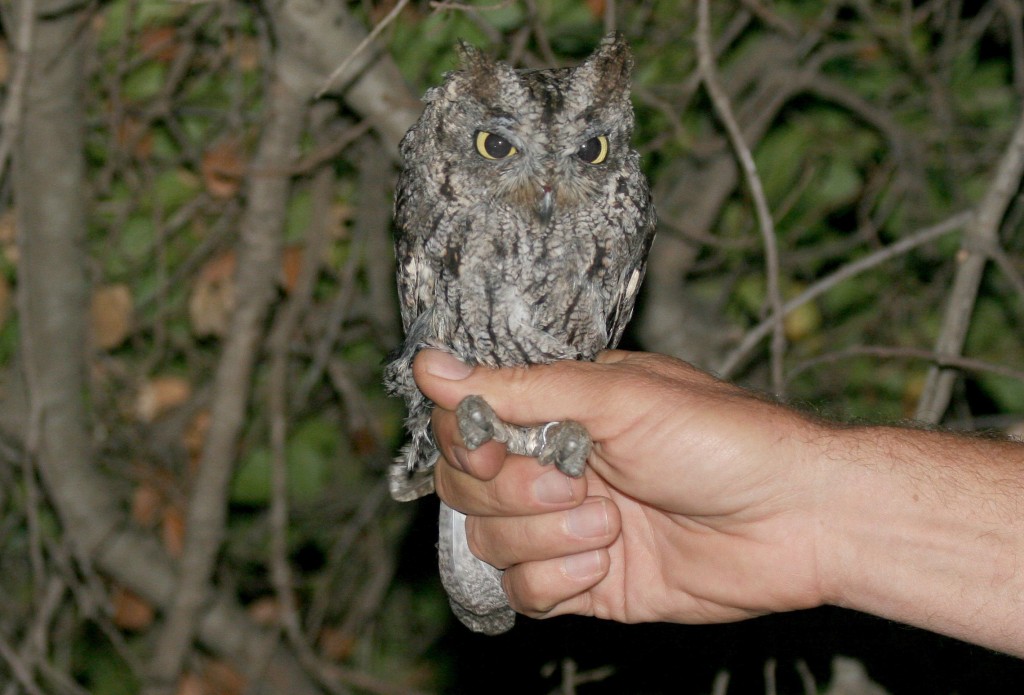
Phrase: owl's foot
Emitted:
{"points": [[477, 421], [567, 445]]}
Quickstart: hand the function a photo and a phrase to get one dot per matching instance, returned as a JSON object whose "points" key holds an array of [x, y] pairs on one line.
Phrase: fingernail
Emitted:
{"points": [[446, 366], [583, 565], [589, 520], [553, 488], [461, 455]]}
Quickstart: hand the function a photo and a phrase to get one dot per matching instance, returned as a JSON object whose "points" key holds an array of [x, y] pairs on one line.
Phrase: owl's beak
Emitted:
{"points": [[546, 204]]}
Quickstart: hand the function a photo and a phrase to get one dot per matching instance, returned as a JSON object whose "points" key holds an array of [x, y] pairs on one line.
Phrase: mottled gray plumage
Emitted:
{"points": [[524, 223]]}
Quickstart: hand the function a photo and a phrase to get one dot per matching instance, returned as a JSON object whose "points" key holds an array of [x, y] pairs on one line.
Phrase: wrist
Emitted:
{"points": [[924, 528]]}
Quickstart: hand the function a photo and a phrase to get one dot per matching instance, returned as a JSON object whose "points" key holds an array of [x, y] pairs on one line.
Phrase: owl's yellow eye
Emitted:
{"points": [[491, 146], [594, 150]]}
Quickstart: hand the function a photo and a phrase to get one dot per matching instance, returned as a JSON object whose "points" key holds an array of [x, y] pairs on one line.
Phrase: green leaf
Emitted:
{"points": [[299, 214], [137, 237], [1007, 393], [175, 187], [310, 454], [145, 82], [840, 183]]}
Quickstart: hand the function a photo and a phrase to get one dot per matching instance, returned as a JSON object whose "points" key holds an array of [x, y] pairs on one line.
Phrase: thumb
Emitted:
{"points": [[564, 390]]}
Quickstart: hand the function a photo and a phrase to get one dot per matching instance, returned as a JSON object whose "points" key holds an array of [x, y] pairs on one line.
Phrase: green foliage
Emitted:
{"points": [[101, 671], [169, 151], [311, 457]]}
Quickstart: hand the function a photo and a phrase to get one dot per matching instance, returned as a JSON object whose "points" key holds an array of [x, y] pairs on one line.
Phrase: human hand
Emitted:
{"points": [[698, 503]]}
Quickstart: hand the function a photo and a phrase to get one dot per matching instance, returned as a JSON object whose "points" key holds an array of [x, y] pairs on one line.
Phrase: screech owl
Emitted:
{"points": [[523, 226]]}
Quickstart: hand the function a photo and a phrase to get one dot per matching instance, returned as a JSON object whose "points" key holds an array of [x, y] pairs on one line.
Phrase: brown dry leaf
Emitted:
{"points": [[6, 300], [222, 679], [194, 436], [265, 611], [192, 684], [596, 8], [159, 395], [147, 503], [912, 390], [364, 442], [213, 296], [172, 530], [223, 168], [138, 136], [291, 266], [5, 62], [130, 611], [337, 224], [111, 315], [335, 644], [9, 236], [160, 43], [246, 50]]}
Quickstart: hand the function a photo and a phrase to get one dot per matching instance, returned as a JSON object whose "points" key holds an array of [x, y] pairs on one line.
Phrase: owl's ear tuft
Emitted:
{"points": [[609, 67], [474, 61], [487, 77]]}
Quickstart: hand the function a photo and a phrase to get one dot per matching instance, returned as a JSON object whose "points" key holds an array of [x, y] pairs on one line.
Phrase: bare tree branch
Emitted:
{"points": [[981, 234], [950, 361], [321, 36], [742, 351], [358, 50], [14, 104], [750, 175], [258, 263]]}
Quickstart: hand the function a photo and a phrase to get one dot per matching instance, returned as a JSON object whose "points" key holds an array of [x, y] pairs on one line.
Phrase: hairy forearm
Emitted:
{"points": [[925, 528]]}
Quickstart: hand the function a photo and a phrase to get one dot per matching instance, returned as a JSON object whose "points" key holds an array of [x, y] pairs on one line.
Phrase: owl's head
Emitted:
{"points": [[544, 142]]}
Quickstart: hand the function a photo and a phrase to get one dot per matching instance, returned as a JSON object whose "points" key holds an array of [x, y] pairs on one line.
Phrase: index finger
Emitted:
{"points": [[563, 390], [521, 487]]}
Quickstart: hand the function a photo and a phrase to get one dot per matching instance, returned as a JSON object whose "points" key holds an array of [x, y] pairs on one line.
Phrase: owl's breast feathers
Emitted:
{"points": [[500, 286]]}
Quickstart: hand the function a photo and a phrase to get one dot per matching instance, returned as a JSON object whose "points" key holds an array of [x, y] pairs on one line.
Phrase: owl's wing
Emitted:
{"points": [[624, 296], [416, 279]]}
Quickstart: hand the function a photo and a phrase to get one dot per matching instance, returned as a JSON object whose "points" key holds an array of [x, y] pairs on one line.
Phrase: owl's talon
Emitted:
{"points": [[567, 445], [476, 421]]}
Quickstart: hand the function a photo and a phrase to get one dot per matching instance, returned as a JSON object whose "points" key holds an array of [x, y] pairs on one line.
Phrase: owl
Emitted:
{"points": [[523, 223]]}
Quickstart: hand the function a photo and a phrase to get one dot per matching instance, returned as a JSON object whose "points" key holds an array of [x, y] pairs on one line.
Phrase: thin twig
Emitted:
{"points": [[337, 313], [368, 510], [374, 33], [951, 361], [22, 672], [765, 223], [770, 686], [806, 678], [1008, 268], [25, 11], [740, 353], [279, 342], [609, 16], [981, 235], [721, 683], [1014, 22], [12, 116]]}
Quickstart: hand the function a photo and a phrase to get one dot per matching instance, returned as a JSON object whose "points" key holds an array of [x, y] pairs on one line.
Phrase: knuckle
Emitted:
{"points": [[444, 485], [476, 538], [521, 588]]}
